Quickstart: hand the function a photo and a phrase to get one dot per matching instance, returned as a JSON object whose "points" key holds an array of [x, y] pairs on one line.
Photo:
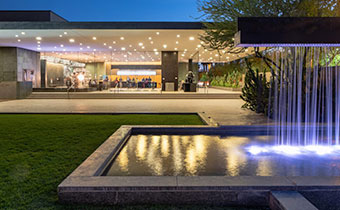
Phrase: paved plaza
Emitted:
{"points": [[223, 111]]}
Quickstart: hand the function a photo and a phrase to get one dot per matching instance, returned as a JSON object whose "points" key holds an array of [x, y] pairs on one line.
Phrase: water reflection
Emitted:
{"points": [[169, 155]]}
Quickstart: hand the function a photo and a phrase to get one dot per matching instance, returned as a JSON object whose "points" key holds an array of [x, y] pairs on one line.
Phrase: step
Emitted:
{"points": [[289, 200], [130, 96]]}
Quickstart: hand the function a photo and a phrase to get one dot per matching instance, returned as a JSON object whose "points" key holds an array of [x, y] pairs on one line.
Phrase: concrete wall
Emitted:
{"points": [[55, 72], [169, 69], [96, 69], [8, 64], [13, 63], [28, 60]]}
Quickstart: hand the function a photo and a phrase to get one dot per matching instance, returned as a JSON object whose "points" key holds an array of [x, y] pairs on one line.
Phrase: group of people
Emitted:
{"points": [[134, 83]]}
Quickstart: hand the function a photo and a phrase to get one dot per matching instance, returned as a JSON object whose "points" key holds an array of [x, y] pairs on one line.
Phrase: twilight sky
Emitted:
{"points": [[111, 10]]}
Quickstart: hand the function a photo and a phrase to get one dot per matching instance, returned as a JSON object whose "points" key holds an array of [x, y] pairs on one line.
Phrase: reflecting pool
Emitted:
{"points": [[201, 155]]}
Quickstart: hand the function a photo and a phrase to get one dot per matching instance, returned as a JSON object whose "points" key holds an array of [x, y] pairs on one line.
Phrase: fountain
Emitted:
{"points": [[304, 100]]}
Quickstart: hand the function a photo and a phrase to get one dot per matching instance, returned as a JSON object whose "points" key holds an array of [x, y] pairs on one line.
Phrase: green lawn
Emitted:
{"points": [[38, 151]]}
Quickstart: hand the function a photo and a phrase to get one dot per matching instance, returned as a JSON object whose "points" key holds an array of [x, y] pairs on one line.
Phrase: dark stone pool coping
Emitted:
{"points": [[86, 185]]}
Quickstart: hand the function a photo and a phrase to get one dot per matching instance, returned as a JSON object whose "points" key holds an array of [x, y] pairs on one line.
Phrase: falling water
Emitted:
{"points": [[304, 96]]}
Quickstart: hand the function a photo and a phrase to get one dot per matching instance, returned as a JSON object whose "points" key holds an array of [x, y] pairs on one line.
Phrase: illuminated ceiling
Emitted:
{"points": [[113, 45]]}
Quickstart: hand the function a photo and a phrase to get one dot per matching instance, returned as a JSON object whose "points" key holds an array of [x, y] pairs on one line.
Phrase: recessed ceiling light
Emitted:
{"points": [[157, 33], [165, 46], [156, 53], [155, 50], [185, 50], [81, 48], [38, 38], [94, 38], [140, 44], [151, 42], [199, 46], [191, 38], [71, 40], [16, 35], [123, 48], [60, 35], [88, 47], [19, 40], [176, 48], [65, 32], [38, 48], [61, 45], [122, 38], [38, 42], [150, 38], [23, 33], [94, 50], [178, 35], [104, 44], [143, 47], [177, 42], [110, 47]]}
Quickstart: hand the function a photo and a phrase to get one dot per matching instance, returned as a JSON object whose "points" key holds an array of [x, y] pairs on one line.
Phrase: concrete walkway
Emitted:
{"points": [[223, 111]]}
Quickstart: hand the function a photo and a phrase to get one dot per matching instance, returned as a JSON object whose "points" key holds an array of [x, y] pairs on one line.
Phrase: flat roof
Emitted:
{"points": [[119, 42], [101, 25], [46, 19]]}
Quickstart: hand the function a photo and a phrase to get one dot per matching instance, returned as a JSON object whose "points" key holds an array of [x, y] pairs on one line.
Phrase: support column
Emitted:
{"points": [[43, 73], [190, 65], [169, 70]]}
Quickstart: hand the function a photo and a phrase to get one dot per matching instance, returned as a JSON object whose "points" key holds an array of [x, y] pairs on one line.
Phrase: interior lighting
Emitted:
{"points": [[157, 33], [136, 72], [177, 42], [81, 77], [61, 45], [16, 35], [178, 35], [150, 38], [165, 46], [140, 44], [155, 50], [123, 48], [23, 33], [110, 47], [71, 40], [94, 38], [38, 38], [60, 35], [122, 38], [19, 40], [191, 38], [65, 32]]}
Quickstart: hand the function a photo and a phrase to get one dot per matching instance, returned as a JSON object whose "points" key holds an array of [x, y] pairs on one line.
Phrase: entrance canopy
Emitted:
{"points": [[104, 41]]}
